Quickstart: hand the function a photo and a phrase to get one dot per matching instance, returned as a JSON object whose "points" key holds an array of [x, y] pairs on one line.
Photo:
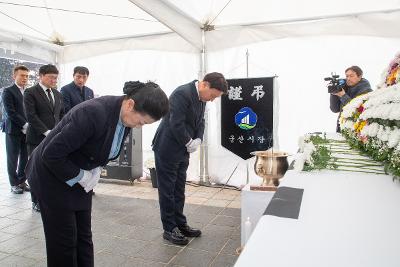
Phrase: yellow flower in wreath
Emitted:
{"points": [[359, 125]]}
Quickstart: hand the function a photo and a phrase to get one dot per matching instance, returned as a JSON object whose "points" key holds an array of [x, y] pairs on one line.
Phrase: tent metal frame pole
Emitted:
{"points": [[204, 176]]}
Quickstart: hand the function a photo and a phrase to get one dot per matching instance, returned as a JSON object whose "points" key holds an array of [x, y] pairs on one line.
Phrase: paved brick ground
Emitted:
{"points": [[126, 226]]}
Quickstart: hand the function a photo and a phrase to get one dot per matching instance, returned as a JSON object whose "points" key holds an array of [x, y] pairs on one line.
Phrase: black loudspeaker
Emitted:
{"points": [[128, 166]]}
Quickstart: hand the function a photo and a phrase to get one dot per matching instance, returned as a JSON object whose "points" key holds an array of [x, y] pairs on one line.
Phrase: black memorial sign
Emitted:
{"points": [[247, 116]]}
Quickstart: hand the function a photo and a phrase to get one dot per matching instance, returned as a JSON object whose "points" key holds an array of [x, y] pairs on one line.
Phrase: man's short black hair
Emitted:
{"points": [[81, 70], [216, 81], [48, 69], [20, 67]]}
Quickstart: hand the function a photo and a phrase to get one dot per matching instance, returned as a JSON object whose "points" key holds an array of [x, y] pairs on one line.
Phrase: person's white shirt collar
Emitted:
{"points": [[43, 87], [21, 89], [45, 91]]}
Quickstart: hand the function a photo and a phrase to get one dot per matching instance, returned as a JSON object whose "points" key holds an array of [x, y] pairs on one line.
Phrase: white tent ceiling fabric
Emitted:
{"points": [[300, 41], [75, 22]]}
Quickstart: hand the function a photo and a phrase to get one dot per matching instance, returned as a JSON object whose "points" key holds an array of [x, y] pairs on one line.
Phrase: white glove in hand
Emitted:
{"points": [[94, 180], [193, 145], [87, 175]]}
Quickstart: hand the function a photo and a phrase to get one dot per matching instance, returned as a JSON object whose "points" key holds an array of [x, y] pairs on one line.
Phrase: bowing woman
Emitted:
{"points": [[66, 166]]}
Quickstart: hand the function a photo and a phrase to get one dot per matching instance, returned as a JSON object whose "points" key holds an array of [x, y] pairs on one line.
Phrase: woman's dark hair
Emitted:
{"points": [[356, 69], [149, 98]]}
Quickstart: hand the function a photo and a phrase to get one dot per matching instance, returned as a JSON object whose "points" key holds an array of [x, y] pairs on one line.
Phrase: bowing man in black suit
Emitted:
{"points": [[15, 126], [44, 109], [181, 133], [65, 167]]}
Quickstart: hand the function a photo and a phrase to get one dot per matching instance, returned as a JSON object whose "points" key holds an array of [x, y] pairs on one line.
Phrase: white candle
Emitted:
{"points": [[247, 230]]}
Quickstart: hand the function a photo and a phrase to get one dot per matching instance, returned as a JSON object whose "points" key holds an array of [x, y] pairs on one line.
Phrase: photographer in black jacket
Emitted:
{"points": [[355, 85]]}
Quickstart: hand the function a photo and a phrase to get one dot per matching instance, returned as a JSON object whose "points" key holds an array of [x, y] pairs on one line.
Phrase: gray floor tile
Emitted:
{"points": [[208, 210], [220, 231], [19, 261], [135, 262], [224, 261], [107, 259], [37, 233], [208, 242], [112, 229], [26, 215], [37, 251], [231, 246], [127, 247], [42, 263], [3, 255], [231, 212], [144, 233], [101, 241], [21, 227], [6, 222], [15, 244], [190, 208], [226, 221], [127, 231], [5, 210], [158, 252], [193, 258], [5, 236], [135, 220], [200, 219]]}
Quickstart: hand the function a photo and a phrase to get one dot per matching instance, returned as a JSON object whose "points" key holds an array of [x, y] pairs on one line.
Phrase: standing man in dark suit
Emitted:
{"points": [[44, 109], [65, 167], [181, 133], [15, 126], [76, 92]]}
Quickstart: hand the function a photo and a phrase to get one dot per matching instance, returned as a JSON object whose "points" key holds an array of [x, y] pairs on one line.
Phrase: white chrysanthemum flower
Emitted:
{"points": [[299, 163], [384, 136], [301, 143], [348, 124], [373, 129], [309, 148], [395, 112], [394, 138], [365, 130]]}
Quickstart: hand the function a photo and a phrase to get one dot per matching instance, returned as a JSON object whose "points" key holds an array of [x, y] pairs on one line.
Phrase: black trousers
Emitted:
{"points": [[68, 237], [32, 147], [17, 157], [171, 179]]}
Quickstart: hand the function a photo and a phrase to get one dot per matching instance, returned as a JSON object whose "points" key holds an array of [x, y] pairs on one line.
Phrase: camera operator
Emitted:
{"points": [[355, 85]]}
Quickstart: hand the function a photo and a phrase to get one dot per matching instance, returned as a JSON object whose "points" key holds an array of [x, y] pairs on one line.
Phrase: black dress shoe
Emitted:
{"points": [[35, 207], [188, 231], [24, 186], [175, 237], [16, 189]]}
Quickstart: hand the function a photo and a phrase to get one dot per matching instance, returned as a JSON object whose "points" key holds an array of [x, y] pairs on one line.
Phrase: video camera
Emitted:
{"points": [[335, 84]]}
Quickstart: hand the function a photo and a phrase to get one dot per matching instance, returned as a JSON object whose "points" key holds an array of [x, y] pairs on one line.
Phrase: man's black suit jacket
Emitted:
{"points": [[40, 114], [184, 121], [82, 140], [13, 105]]}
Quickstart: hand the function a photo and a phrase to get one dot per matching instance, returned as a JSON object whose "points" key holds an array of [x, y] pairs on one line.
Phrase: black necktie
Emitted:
{"points": [[50, 98]]}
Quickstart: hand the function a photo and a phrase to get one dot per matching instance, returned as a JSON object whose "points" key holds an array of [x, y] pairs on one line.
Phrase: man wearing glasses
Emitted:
{"points": [[44, 108]]}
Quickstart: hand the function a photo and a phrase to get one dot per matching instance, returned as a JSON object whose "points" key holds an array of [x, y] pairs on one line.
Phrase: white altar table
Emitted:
{"points": [[346, 219]]}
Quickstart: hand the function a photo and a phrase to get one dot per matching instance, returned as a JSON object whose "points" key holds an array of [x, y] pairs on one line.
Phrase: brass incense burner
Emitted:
{"points": [[271, 166]]}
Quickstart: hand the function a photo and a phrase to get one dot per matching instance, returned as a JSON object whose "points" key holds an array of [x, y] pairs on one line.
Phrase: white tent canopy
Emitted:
{"points": [[300, 41], [176, 25]]}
